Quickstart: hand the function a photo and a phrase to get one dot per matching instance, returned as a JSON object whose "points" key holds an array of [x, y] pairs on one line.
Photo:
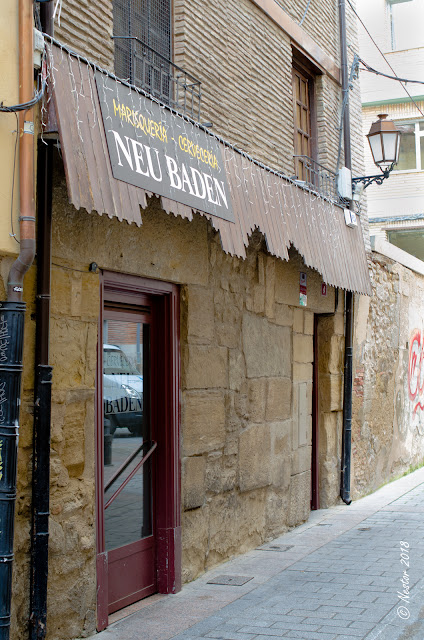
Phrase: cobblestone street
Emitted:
{"points": [[350, 572]]}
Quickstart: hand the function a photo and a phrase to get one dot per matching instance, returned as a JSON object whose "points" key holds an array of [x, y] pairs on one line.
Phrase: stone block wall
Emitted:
{"points": [[388, 420], [72, 553], [247, 440], [247, 353]]}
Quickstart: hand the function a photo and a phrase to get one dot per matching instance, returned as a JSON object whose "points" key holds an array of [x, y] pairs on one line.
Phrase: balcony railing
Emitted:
{"points": [[149, 70], [316, 177]]}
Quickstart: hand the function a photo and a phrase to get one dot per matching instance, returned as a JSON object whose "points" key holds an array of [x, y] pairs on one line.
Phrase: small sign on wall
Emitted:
{"points": [[323, 288], [350, 218], [303, 299]]}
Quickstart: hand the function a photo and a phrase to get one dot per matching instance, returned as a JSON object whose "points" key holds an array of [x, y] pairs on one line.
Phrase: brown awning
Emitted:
{"points": [[261, 199]]}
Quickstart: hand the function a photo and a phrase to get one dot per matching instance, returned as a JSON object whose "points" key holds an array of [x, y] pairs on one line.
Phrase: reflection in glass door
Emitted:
{"points": [[128, 457]]}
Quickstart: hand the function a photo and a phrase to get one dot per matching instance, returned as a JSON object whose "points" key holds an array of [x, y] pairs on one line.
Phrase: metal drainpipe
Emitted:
{"points": [[42, 383], [347, 382], [12, 316]]}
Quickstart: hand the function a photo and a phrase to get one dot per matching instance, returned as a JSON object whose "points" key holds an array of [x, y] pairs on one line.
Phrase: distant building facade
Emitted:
{"points": [[396, 208], [388, 415]]}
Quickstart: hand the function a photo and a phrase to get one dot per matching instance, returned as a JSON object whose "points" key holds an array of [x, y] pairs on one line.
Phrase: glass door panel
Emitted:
{"points": [[128, 444]]}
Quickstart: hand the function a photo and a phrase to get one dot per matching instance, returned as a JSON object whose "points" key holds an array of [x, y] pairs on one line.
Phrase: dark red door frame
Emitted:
{"points": [[128, 290], [315, 423]]}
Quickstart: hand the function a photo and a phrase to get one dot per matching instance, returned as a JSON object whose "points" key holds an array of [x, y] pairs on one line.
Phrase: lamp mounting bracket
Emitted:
{"points": [[378, 179]]}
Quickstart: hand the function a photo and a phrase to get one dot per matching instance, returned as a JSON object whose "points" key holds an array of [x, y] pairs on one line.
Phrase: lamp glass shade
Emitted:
{"points": [[390, 147], [376, 148], [384, 140]]}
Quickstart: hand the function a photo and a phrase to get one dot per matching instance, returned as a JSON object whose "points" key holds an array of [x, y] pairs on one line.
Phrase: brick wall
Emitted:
{"points": [[244, 62], [87, 27], [321, 22]]}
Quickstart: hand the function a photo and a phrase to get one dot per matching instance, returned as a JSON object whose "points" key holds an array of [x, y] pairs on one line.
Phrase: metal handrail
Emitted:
{"points": [[319, 178], [163, 79], [133, 472]]}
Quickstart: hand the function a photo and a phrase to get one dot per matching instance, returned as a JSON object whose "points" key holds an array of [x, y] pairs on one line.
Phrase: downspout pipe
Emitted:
{"points": [[42, 382], [26, 155], [42, 408], [42, 401], [12, 317], [348, 363], [347, 401]]}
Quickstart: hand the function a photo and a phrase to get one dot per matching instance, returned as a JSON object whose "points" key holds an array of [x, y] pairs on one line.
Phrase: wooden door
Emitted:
{"points": [[137, 447]]}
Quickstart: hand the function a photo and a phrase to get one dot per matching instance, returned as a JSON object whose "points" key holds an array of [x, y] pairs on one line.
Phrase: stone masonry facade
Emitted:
{"points": [[388, 425], [247, 346], [247, 354]]}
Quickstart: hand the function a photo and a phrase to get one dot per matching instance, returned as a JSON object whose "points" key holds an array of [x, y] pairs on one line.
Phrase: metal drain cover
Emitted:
{"points": [[235, 581], [276, 547]]}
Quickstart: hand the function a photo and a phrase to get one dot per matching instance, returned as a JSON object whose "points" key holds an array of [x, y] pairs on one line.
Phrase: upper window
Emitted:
{"points": [[303, 119], [411, 152], [406, 20], [142, 36]]}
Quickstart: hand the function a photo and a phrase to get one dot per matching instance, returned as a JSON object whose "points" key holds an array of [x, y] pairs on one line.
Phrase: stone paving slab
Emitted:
{"points": [[338, 582]]}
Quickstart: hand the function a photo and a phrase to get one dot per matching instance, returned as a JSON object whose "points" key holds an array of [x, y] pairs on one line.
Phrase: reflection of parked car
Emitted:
{"points": [[122, 391]]}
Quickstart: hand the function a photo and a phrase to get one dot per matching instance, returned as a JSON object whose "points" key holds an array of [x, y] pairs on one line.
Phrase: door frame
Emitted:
{"points": [[315, 421], [127, 289]]}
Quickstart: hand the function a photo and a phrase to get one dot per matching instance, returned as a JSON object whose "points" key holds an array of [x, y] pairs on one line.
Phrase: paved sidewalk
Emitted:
{"points": [[336, 577]]}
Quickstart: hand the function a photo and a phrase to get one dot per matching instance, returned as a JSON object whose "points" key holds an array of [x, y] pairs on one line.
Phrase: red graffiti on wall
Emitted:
{"points": [[416, 370]]}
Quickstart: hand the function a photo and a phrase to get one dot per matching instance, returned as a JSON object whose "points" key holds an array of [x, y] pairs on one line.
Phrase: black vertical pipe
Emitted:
{"points": [[43, 382], [46, 17], [347, 401], [12, 317], [348, 377], [42, 401], [345, 85]]}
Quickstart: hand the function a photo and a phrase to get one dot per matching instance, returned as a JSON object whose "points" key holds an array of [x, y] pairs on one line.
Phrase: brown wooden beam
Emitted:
{"points": [[300, 38]]}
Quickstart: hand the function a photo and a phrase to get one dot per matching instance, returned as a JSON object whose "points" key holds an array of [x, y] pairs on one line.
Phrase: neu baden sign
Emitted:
{"points": [[154, 149]]}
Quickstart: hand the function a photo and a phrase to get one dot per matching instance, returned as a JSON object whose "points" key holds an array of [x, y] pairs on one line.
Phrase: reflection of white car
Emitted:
{"points": [[122, 391]]}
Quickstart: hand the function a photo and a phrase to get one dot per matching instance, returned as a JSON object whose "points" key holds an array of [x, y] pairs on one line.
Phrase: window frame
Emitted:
{"points": [[392, 23], [302, 66], [132, 17], [418, 134]]}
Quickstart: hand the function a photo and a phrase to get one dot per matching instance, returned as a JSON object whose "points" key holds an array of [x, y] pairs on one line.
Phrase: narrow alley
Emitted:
{"points": [[348, 573]]}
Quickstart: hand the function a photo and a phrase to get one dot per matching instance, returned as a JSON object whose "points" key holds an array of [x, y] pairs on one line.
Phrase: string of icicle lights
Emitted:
{"points": [[297, 208]]}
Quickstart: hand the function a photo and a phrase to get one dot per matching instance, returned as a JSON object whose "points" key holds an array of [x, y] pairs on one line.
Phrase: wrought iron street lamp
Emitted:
{"points": [[384, 141]]}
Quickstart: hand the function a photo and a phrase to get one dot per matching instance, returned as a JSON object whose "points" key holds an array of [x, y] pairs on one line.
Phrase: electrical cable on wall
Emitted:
{"points": [[304, 15], [280, 4], [58, 6], [384, 57], [25, 105], [386, 75]]}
